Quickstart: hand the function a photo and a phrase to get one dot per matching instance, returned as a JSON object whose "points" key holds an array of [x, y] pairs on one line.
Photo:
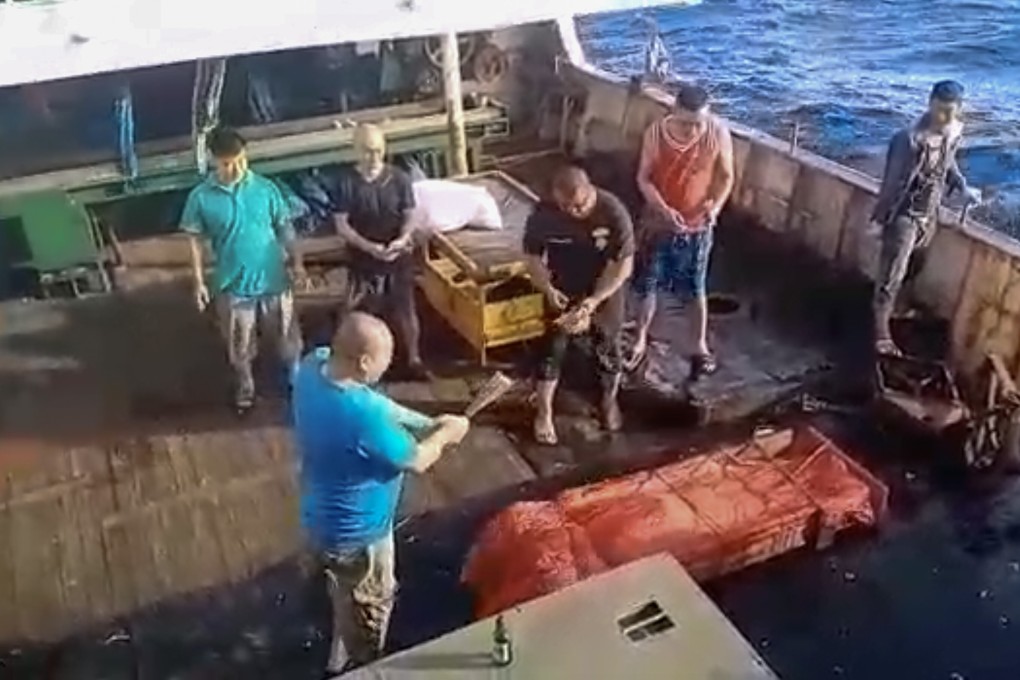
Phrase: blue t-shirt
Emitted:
{"points": [[247, 224], [354, 446]]}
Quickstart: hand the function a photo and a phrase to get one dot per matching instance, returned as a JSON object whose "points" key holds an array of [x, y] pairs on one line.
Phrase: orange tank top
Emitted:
{"points": [[682, 170]]}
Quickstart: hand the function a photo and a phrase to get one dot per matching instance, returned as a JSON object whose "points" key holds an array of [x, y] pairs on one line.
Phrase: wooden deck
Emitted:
{"points": [[124, 480], [127, 486], [120, 489]]}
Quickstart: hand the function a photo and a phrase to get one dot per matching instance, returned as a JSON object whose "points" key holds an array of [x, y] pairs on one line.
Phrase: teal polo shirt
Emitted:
{"points": [[247, 225]]}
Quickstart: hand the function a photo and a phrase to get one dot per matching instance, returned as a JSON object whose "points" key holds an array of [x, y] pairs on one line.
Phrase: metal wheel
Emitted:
{"points": [[490, 64], [434, 49]]}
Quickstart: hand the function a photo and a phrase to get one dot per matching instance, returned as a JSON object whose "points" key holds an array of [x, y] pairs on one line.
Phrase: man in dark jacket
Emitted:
{"points": [[920, 166]]}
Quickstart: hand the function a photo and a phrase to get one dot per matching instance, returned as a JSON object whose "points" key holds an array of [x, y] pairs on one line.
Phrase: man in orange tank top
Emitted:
{"points": [[685, 175]]}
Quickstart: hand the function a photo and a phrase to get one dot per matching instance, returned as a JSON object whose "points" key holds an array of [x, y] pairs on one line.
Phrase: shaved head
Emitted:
{"points": [[363, 345], [368, 135], [570, 178], [573, 191], [370, 144]]}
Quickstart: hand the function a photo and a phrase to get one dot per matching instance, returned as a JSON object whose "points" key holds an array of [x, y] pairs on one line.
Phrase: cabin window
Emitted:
{"points": [[72, 123]]}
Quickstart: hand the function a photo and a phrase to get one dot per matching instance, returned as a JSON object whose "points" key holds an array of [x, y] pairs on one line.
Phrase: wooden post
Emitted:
{"points": [[458, 165]]}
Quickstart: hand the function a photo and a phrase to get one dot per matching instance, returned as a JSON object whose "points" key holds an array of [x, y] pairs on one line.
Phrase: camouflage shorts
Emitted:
{"points": [[362, 584]]}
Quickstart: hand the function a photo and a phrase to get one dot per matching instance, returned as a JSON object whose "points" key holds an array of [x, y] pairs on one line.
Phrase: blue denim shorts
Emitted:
{"points": [[675, 263]]}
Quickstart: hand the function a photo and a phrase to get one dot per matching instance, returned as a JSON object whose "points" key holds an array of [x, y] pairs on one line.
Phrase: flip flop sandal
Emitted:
{"points": [[702, 365]]}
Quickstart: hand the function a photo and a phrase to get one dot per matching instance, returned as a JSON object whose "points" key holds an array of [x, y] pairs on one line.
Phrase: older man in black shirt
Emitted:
{"points": [[374, 203], [580, 252]]}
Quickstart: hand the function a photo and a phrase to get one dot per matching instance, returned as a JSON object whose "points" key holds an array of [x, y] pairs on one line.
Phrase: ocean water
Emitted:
{"points": [[848, 72]]}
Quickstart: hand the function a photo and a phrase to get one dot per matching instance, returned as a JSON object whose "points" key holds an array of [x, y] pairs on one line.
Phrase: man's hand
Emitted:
{"points": [[401, 245], [588, 306], [201, 296], [671, 216], [711, 209], [557, 299], [972, 196], [454, 427], [678, 220], [577, 320], [383, 253]]}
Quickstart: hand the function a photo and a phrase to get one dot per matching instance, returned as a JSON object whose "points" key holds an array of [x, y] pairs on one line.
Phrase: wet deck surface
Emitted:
{"points": [[149, 534]]}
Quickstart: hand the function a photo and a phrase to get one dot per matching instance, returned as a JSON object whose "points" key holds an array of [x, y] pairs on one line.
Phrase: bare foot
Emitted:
{"points": [[545, 431], [886, 347]]}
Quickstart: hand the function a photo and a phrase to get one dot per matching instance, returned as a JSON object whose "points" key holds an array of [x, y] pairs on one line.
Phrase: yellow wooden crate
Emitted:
{"points": [[477, 280], [487, 315]]}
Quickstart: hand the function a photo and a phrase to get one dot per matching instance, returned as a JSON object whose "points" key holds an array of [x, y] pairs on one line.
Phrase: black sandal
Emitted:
{"points": [[702, 365]]}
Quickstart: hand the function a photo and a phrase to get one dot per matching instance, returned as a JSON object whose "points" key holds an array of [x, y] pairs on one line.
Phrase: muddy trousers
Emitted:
{"points": [[362, 585], [241, 320], [903, 252]]}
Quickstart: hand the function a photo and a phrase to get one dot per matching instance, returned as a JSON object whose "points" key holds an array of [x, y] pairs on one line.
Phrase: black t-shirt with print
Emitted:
{"points": [[578, 250]]}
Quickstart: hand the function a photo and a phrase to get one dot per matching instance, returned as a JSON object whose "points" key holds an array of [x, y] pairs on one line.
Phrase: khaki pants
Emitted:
{"points": [[362, 585], [242, 320], [904, 243]]}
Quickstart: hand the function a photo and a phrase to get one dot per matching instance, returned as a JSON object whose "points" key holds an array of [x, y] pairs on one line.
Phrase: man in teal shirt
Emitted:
{"points": [[244, 218]]}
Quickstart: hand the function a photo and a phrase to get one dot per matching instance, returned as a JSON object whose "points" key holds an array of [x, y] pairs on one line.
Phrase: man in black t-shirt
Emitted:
{"points": [[580, 251], [374, 202]]}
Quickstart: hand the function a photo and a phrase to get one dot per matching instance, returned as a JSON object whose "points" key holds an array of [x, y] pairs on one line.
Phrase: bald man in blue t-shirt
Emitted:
{"points": [[355, 446]]}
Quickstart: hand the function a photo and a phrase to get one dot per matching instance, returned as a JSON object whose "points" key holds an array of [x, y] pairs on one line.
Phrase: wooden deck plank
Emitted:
{"points": [[84, 577], [212, 562], [264, 509], [228, 530], [119, 567], [222, 456], [284, 513], [156, 478], [152, 551], [123, 475], [281, 445], [49, 467], [36, 548], [191, 451], [249, 521], [253, 451], [208, 459], [135, 561], [193, 557], [180, 462], [90, 464]]}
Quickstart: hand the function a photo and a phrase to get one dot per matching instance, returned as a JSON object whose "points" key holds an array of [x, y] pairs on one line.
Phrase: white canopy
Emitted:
{"points": [[66, 38]]}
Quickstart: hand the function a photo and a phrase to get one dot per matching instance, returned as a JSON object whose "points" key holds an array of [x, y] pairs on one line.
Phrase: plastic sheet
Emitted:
{"points": [[716, 512], [445, 205]]}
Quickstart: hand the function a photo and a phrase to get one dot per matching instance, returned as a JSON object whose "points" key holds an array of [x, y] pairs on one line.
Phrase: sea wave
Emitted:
{"points": [[847, 73]]}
